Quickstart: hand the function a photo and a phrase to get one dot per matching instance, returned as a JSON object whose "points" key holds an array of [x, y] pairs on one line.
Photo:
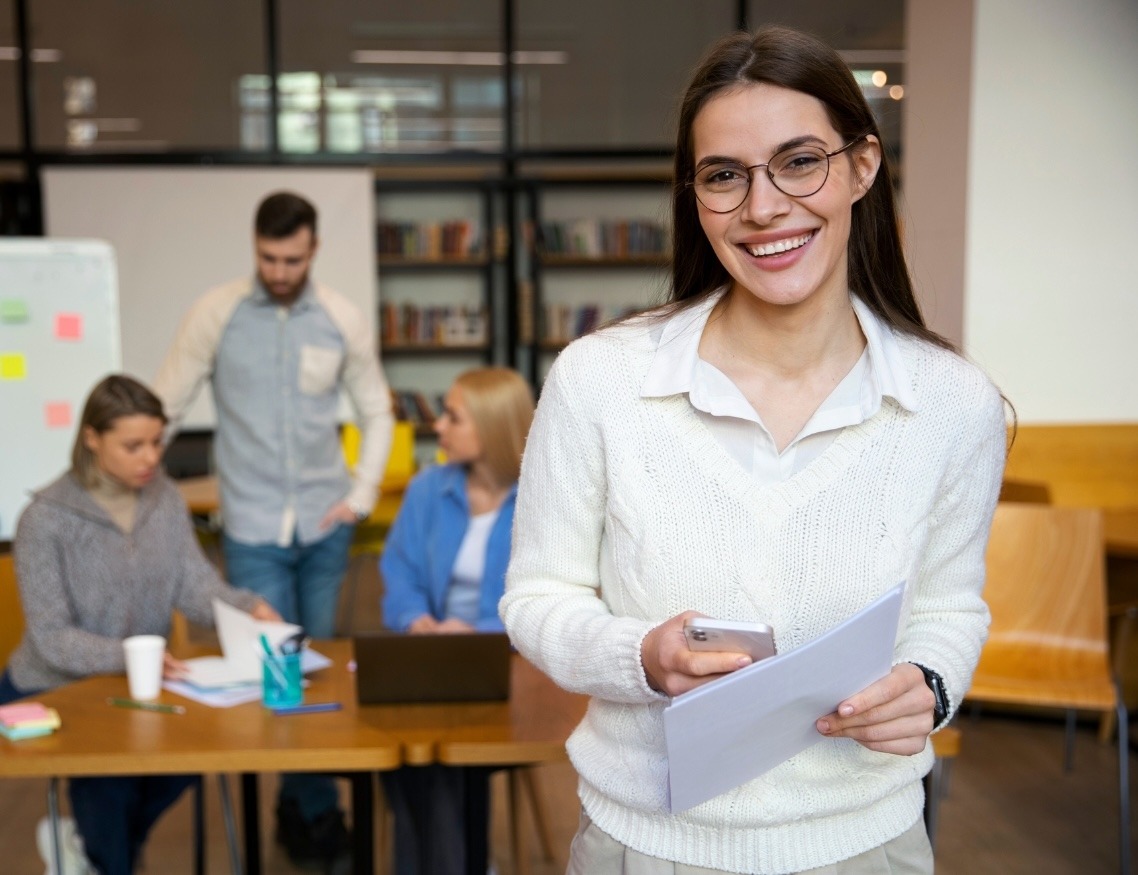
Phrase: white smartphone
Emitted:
{"points": [[754, 639]]}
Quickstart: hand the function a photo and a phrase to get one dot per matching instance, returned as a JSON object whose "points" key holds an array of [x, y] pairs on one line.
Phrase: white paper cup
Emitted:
{"points": [[144, 657]]}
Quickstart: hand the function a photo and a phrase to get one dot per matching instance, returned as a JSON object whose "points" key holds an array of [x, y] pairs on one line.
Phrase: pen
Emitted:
{"points": [[273, 663], [147, 706], [312, 708]]}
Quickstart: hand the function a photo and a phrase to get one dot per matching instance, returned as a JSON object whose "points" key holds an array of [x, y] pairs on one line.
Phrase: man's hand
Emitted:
{"points": [[894, 715], [670, 667], [338, 513]]}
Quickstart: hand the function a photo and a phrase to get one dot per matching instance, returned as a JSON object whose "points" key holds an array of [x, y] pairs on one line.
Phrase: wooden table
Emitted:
{"points": [[97, 739]]}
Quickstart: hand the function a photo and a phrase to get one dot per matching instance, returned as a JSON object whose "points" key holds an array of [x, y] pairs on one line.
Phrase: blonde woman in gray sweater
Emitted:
{"points": [[105, 552]]}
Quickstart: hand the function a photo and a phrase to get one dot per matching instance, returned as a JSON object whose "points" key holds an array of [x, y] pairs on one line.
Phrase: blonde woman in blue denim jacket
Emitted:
{"points": [[444, 570]]}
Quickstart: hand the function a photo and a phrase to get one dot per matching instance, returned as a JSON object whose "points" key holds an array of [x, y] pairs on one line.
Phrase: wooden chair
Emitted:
{"points": [[11, 613], [1047, 646]]}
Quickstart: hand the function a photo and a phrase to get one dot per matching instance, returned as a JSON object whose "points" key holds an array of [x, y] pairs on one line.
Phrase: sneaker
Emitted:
{"points": [[323, 843], [75, 860]]}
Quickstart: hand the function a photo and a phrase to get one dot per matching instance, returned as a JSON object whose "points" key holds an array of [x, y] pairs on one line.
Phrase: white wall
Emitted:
{"points": [[180, 231], [1051, 280]]}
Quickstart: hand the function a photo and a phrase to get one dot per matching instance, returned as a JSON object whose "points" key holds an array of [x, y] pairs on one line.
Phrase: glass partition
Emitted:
{"points": [[400, 77], [119, 75], [594, 73]]}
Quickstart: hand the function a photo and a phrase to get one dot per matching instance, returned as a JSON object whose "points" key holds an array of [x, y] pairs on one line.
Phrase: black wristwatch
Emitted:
{"points": [[936, 684]]}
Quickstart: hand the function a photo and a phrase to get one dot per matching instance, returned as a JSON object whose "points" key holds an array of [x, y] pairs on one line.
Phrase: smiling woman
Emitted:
{"points": [[782, 443]]}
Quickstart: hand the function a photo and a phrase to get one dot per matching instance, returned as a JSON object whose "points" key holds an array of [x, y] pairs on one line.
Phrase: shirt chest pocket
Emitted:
{"points": [[319, 369]]}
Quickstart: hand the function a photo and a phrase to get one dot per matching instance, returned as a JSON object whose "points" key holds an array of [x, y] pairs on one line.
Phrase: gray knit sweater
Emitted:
{"points": [[85, 584]]}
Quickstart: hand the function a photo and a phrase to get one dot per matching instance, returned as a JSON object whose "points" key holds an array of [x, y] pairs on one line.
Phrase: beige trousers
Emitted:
{"points": [[594, 852]]}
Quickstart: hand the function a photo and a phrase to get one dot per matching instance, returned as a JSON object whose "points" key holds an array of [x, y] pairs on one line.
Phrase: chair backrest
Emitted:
{"points": [[11, 613], [1025, 491], [401, 460], [1046, 581]]}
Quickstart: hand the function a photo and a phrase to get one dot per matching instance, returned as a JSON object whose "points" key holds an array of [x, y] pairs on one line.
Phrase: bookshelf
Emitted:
{"points": [[595, 247], [440, 278]]}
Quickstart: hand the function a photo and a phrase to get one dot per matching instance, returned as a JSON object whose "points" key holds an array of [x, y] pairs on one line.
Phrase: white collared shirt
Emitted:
{"points": [[735, 424]]}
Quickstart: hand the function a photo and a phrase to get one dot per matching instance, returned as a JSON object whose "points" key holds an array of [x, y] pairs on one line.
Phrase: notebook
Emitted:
{"points": [[393, 667]]}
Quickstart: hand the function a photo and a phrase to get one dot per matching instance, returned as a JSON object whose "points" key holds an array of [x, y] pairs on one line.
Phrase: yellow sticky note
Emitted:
{"points": [[13, 366]]}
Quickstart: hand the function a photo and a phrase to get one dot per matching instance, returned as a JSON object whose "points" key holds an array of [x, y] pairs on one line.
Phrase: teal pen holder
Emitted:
{"points": [[281, 681]]}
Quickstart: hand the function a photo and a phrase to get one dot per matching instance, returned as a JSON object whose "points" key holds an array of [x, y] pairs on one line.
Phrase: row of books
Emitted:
{"points": [[620, 238], [563, 322], [411, 405], [449, 239], [27, 720], [408, 324]]}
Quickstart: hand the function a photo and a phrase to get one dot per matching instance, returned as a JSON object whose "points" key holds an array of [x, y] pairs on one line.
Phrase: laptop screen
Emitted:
{"points": [[393, 667]]}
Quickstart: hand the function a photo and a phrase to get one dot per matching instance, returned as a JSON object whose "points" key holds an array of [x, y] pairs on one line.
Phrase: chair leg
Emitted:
{"points": [[199, 826], [540, 819], [518, 850], [235, 864], [933, 790], [1123, 782], [53, 815], [1069, 754]]}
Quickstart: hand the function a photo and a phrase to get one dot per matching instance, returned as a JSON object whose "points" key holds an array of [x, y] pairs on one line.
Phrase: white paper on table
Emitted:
{"points": [[238, 694], [727, 732], [240, 662]]}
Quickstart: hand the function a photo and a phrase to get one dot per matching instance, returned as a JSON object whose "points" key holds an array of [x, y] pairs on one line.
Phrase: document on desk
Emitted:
{"points": [[725, 733], [240, 662]]}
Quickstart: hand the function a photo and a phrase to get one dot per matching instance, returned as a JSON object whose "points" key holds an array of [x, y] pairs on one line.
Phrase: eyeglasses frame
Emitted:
{"points": [[751, 176]]}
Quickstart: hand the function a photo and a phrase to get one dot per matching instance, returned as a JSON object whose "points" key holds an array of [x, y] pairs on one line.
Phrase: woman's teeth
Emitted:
{"points": [[779, 246]]}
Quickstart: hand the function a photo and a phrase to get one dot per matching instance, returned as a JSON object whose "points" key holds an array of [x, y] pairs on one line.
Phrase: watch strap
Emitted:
{"points": [[936, 683]]}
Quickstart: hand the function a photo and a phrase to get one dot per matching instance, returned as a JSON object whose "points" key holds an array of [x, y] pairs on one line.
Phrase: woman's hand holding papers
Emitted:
{"points": [[893, 715], [173, 668], [671, 668]]}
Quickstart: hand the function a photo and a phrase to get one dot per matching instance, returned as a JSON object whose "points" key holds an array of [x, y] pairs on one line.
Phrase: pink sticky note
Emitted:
{"points": [[58, 414], [68, 326]]}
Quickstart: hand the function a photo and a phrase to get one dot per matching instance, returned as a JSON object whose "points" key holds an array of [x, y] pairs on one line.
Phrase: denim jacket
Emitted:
{"points": [[421, 548]]}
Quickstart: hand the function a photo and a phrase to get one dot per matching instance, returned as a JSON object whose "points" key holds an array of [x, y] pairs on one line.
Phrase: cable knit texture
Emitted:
{"points": [[629, 512], [85, 584]]}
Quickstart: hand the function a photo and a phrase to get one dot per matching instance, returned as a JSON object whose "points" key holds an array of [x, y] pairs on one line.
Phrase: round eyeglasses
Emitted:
{"points": [[799, 171]]}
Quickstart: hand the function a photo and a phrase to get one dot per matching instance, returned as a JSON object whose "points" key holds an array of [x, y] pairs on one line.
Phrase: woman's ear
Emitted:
{"points": [[866, 160], [90, 439]]}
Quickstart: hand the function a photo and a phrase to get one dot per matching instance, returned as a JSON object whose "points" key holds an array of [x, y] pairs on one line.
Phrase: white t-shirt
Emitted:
{"points": [[466, 576]]}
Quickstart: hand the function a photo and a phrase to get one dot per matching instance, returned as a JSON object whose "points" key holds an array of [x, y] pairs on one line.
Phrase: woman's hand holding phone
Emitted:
{"points": [[671, 667]]}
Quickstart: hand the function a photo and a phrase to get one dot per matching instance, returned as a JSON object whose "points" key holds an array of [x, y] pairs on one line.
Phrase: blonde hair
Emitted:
{"points": [[501, 404], [112, 398]]}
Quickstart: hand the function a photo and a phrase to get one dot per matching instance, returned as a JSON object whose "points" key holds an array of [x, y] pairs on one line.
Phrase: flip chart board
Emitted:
{"points": [[59, 335]]}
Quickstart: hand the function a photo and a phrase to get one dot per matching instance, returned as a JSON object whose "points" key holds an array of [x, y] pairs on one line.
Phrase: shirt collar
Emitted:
{"points": [[886, 364], [677, 352]]}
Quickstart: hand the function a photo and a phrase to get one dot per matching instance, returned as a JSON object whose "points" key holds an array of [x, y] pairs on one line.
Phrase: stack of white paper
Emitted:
{"points": [[729, 731]]}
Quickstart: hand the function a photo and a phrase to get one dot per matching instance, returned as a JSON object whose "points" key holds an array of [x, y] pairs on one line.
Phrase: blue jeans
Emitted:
{"points": [[114, 815], [302, 582]]}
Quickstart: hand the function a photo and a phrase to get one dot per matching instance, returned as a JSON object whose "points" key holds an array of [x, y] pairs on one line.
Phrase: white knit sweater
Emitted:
{"points": [[629, 512]]}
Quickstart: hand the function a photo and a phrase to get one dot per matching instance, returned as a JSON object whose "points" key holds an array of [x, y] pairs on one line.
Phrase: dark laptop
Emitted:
{"points": [[393, 667]]}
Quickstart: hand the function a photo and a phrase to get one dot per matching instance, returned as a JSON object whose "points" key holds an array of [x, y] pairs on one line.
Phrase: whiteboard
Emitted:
{"points": [[59, 335], [179, 231]]}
